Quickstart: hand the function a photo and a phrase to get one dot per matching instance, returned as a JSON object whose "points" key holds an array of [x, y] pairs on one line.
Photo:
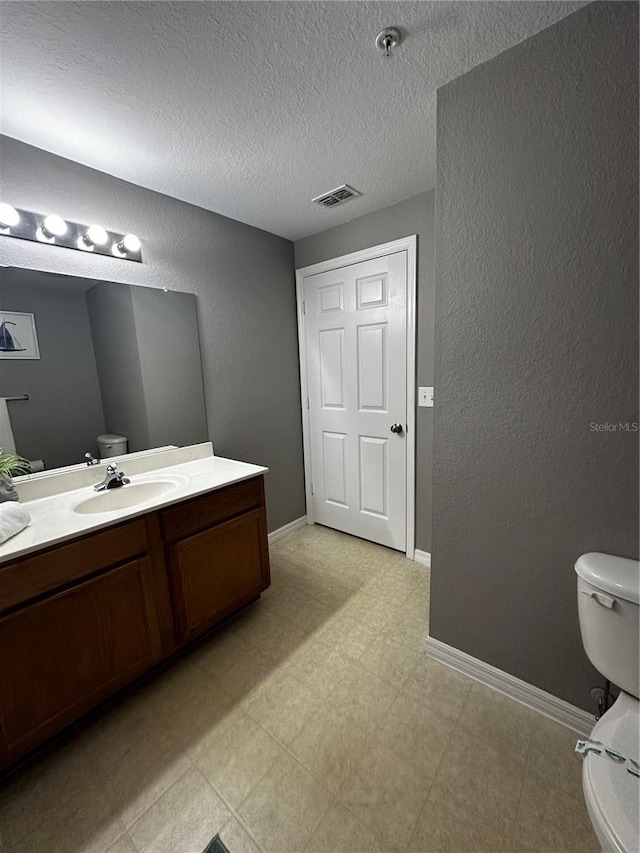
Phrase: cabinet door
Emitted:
{"points": [[215, 572], [62, 655]]}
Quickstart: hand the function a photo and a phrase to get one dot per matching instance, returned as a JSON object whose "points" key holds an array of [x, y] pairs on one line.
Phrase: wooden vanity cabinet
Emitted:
{"points": [[81, 620], [217, 555], [216, 571], [77, 622]]}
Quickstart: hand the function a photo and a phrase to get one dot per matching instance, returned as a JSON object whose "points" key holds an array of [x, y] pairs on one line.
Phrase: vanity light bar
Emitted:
{"points": [[57, 231]]}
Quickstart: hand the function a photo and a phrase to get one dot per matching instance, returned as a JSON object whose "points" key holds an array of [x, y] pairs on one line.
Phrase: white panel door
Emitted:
{"points": [[356, 353]]}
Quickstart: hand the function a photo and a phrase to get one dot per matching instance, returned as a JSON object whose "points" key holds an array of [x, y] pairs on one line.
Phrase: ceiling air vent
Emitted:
{"points": [[336, 196]]}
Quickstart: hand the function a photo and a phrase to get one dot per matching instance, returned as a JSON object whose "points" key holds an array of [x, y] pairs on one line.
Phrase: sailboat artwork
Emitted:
{"points": [[8, 343], [18, 335]]}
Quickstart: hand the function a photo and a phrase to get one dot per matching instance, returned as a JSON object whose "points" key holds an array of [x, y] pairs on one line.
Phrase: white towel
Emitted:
{"points": [[13, 518], [6, 433]]}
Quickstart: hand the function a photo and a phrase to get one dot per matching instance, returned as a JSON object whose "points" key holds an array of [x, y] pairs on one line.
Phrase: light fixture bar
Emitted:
{"points": [[52, 230]]}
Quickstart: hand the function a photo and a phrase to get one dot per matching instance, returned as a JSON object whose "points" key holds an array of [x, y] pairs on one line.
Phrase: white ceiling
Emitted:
{"points": [[249, 109]]}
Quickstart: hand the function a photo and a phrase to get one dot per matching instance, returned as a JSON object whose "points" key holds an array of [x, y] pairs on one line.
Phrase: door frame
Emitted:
{"points": [[408, 244]]}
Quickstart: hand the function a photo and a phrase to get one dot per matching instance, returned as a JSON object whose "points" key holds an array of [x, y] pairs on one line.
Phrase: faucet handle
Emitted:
{"points": [[90, 459], [112, 468]]}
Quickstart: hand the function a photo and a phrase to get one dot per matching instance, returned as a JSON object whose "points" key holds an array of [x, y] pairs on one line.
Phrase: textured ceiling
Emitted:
{"points": [[249, 109]]}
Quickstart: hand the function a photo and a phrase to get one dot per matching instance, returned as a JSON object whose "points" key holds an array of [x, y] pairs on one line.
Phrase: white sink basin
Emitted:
{"points": [[124, 497]]}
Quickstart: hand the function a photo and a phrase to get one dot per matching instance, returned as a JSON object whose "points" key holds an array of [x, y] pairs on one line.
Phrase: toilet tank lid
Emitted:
{"points": [[615, 575], [111, 438]]}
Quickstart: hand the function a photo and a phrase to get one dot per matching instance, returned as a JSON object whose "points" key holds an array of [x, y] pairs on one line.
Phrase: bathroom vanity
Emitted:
{"points": [[91, 599]]}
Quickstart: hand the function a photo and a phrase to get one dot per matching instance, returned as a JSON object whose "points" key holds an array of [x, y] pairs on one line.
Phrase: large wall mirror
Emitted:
{"points": [[97, 357]]}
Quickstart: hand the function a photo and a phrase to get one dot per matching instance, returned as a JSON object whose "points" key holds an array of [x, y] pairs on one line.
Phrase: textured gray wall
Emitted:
{"points": [[167, 331], [536, 338], [62, 384], [413, 216], [115, 343], [243, 279]]}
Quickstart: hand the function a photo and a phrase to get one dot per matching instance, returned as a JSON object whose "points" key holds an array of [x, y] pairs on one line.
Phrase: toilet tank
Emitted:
{"points": [[112, 445], [608, 607]]}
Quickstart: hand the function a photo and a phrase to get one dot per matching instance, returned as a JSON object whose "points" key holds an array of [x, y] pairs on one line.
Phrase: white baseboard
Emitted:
{"points": [[281, 532], [423, 557], [533, 697]]}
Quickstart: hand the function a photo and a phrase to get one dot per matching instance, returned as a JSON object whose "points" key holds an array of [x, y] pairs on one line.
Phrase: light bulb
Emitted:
{"points": [[54, 226], [95, 235], [129, 243], [9, 216]]}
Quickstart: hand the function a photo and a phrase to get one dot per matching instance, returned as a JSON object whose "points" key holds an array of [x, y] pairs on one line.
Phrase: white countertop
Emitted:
{"points": [[53, 519]]}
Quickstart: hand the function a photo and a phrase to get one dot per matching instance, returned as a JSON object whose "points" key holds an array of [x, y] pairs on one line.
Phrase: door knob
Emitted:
{"points": [[397, 428]]}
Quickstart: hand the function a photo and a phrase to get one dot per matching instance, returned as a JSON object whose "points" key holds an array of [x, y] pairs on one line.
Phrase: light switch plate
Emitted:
{"points": [[425, 397]]}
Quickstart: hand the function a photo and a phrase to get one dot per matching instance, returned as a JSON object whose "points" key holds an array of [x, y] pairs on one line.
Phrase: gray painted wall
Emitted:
{"points": [[536, 338], [167, 331], [413, 216], [115, 343], [62, 384], [242, 277]]}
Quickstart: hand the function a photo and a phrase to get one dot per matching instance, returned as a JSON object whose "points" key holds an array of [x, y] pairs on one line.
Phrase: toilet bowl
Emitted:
{"points": [[611, 792], [608, 608]]}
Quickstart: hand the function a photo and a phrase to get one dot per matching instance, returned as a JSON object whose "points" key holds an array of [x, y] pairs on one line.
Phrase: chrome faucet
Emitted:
{"points": [[114, 479]]}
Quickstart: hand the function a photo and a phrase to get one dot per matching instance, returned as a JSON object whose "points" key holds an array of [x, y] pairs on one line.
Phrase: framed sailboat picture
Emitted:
{"points": [[18, 337]]}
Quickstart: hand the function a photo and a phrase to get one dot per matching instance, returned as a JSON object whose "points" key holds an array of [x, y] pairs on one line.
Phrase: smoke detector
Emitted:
{"points": [[337, 196]]}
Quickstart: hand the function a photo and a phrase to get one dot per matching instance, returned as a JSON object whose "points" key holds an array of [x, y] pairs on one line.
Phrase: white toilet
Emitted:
{"points": [[608, 607], [112, 445]]}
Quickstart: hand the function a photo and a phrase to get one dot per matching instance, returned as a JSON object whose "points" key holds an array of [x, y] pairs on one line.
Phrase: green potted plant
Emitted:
{"points": [[11, 465]]}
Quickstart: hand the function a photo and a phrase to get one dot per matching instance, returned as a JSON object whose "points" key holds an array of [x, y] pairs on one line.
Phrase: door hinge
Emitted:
{"points": [[308, 403], [304, 307], [311, 489]]}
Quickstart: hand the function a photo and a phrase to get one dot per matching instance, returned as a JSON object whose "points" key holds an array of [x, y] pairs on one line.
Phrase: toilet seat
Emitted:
{"points": [[611, 793]]}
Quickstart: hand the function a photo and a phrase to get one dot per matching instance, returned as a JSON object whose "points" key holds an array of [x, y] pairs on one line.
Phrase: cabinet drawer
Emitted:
{"points": [[62, 655], [46, 571], [206, 510]]}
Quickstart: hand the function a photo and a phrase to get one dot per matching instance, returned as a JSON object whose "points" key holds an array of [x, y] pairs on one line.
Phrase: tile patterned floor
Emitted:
{"points": [[313, 723]]}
